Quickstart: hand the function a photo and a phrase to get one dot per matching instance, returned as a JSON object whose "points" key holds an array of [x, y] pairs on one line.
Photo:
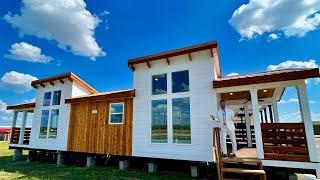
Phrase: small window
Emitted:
{"points": [[116, 113], [56, 98], [44, 123], [180, 81], [181, 120], [47, 99], [159, 84], [54, 123], [159, 121]]}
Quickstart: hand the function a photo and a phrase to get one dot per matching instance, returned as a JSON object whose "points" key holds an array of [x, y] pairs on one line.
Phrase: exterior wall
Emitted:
{"points": [[78, 90], [203, 102], [68, 89], [60, 143], [91, 132]]}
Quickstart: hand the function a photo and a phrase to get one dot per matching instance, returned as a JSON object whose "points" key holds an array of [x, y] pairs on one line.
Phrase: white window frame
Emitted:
{"points": [[122, 120], [50, 108], [169, 96]]}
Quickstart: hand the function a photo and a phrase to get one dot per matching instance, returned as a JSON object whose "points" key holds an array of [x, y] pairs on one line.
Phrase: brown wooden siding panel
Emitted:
{"points": [[92, 133]]}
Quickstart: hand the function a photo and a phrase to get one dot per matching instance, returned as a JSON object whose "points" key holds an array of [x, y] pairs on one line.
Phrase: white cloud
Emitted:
{"points": [[290, 117], [273, 36], [16, 81], [30, 100], [294, 100], [233, 74], [6, 118], [27, 52], [288, 17], [293, 65], [65, 21], [3, 107]]}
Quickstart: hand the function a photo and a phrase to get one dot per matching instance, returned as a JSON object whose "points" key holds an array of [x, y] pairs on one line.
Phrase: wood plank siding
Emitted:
{"points": [[91, 132]]}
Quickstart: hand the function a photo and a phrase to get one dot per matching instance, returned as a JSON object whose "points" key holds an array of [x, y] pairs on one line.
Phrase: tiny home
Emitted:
{"points": [[166, 113]]}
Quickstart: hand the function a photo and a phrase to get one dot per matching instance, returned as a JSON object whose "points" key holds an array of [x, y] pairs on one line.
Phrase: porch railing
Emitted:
{"points": [[15, 134], [241, 135], [285, 141]]}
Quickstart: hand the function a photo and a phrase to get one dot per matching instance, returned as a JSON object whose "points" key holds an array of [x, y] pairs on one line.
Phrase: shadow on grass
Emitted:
{"points": [[43, 170]]}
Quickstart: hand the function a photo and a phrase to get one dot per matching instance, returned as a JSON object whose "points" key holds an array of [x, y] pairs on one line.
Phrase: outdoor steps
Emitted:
{"points": [[243, 166], [243, 171]]}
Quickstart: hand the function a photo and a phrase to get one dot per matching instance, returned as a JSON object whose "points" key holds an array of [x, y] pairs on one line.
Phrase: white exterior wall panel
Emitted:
{"points": [[202, 103], [68, 89], [60, 143]]}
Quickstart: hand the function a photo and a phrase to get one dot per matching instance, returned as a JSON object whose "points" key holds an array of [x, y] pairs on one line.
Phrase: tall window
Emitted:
{"points": [[47, 99], [181, 120], [180, 81], [54, 123], [56, 98], [44, 123], [159, 121], [116, 113], [159, 84]]}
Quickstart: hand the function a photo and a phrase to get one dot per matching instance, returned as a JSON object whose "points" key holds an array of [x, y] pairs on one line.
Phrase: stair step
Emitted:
{"points": [[241, 160], [242, 171]]}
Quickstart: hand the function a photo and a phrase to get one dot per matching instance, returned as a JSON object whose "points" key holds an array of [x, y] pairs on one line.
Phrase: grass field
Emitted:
{"points": [[43, 170]]}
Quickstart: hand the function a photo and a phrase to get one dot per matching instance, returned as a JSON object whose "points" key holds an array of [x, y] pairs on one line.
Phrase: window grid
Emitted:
{"points": [[169, 96], [114, 113]]}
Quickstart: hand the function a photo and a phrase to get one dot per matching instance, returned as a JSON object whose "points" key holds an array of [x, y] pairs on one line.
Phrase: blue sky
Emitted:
{"points": [[95, 40]]}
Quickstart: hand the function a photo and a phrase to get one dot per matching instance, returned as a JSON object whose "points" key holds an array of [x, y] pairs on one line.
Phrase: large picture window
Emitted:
{"points": [[181, 120], [47, 99], [159, 84], [54, 123], [116, 113], [159, 121], [44, 123], [180, 81], [56, 98]]}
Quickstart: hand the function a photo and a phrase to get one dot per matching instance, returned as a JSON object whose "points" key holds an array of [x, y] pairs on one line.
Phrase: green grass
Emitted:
{"points": [[42, 170]]}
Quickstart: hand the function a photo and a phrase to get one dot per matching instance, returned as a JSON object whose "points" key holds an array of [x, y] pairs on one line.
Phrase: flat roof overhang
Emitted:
{"points": [[172, 53], [266, 77], [21, 106], [70, 76], [122, 94]]}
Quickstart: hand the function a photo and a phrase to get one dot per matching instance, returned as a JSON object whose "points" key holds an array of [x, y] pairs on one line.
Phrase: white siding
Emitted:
{"points": [[60, 143], [68, 89], [202, 103], [78, 90]]}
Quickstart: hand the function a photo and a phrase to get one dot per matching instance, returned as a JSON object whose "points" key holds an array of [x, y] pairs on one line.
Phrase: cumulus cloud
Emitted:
{"points": [[3, 107], [294, 100], [26, 52], [288, 17], [68, 22], [30, 100], [233, 74], [16, 81], [290, 64], [273, 36]]}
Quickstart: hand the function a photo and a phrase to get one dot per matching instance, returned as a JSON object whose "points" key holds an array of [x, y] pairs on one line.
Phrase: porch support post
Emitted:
{"points": [[261, 116], [275, 112], [15, 116], [265, 115], [248, 125], [270, 113], [306, 118], [23, 126], [256, 122]]}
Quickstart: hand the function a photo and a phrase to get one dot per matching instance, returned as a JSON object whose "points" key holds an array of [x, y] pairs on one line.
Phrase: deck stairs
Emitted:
{"points": [[241, 168]]}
